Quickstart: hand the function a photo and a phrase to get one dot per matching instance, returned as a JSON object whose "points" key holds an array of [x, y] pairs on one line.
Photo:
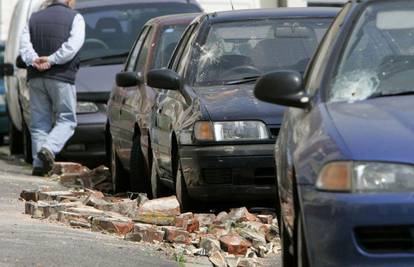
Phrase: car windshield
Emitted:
{"points": [[379, 58], [166, 44], [111, 30], [246, 49]]}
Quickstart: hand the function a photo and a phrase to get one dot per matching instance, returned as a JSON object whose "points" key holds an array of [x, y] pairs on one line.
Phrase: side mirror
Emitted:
{"points": [[128, 79], [164, 79], [283, 88], [20, 63], [6, 69]]}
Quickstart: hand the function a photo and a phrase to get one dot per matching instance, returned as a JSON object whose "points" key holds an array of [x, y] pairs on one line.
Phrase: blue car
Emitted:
{"points": [[4, 123], [345, 153]]}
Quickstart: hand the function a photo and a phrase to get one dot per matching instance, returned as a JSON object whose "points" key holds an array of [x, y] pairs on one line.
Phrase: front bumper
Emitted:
{"points": [[88, 141], [4, 120], [229, 172], [358, 229]]}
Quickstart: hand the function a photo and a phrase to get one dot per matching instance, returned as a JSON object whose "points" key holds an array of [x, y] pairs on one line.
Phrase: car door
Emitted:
{"points": [[131, 99], [170, 105], [118, 94]]}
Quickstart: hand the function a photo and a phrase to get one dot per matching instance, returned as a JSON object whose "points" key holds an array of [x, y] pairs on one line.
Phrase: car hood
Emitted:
{"points": [[380, 129], [96, 79], [237, 102]]}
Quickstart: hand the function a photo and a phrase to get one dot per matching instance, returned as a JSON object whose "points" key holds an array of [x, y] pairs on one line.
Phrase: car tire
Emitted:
{"points": [[139, 179], [1, 140], [158, 189], [27, 145], [15, 139], [301, 249], [287, 257], [118, 173], [186, 203]]}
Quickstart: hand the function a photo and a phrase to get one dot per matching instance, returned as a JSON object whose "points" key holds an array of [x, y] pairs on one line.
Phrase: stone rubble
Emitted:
{"points": [[235, 238]]}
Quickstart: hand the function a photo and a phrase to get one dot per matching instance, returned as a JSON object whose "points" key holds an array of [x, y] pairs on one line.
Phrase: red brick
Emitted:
{"points": [[146, 233], [234, 244], [241, 215], [176, 235], [112, 225], [161, 211], [69, 167], [205, 219]]}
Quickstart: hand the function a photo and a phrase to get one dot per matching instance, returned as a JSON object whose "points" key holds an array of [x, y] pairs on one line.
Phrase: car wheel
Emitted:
{"points": [[15, 139], [1, 140], [181, 192], [287, 257], [301, 250], [118, 173], [139, 178], [27, 145], [157, 188]]}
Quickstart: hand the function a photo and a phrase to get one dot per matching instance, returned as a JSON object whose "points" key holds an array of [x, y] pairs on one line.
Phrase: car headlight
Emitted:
{"points": [[86, 107], [366, 177], [230, 131]]}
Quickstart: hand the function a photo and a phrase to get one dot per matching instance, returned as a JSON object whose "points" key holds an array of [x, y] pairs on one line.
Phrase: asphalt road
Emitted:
{"points": [[29, 242]]}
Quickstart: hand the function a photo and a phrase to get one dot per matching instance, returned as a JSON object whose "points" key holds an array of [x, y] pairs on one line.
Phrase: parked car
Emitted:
{"points": [[211, 139], [111, 27], [131, 101], [4, 125], [345, 152]]}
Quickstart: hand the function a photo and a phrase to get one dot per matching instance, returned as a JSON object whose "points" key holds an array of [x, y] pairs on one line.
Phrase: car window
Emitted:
{"points": [[134, 54], [319, 60], [112, 29], [170, 35], [384, 34], [181, 45], [183, 63], [242, 49], [143, 54]]}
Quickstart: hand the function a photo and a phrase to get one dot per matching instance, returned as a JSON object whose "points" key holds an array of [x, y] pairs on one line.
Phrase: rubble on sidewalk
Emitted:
{"points": [[234, 238]]}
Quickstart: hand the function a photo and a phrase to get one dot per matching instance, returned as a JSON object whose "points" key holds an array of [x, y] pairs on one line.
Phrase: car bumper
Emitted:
{"points": [[240, 172], [358, 229], [88, 141]]}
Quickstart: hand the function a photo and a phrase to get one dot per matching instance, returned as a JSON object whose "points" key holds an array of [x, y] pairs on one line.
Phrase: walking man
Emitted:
{"points": [[49, 46]]}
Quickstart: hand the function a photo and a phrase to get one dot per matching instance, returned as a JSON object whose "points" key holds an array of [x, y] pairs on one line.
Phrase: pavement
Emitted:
{"points": [[29, 242]]}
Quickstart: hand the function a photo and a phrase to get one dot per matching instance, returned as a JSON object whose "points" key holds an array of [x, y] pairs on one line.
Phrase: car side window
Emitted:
{"points": [[137, 47], [182, 65], [183, 43], [318, 62], [143, 54]]}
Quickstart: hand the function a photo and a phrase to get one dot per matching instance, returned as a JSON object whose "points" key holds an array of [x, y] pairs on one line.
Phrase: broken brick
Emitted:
{"points": [[110, 225], [30, 195], [256, 238], [209, 245], [52, 195], [60, 168], [66, 217], [176, 235], [79, 224], [241, 215], [266, 219], [234, 244], [221, 217], [205, 219], [161, 211], [187, 222], [217, 259], [146, 233]]}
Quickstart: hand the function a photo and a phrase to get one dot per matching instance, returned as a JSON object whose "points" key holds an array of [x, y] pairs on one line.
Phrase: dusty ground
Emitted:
{"points": [[28, 242]]}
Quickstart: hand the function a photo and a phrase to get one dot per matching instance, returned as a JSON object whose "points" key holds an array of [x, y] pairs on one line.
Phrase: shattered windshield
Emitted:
{"points": [[379, 57], [246, 49], [111, 30]]}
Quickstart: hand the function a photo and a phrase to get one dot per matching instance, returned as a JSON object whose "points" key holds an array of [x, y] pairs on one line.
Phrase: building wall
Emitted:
{"points": [[6, 11]]}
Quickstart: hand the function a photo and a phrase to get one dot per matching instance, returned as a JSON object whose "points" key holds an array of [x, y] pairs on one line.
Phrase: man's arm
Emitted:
{"points": [[28, 54], [71, 47]]}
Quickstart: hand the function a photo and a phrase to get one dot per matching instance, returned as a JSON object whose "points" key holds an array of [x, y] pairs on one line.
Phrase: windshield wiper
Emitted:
{"points": [[99, 59], [243, 80], [382, 94]]}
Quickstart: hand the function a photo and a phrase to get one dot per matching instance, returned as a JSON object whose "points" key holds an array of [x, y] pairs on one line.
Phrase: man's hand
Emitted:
{"points": [[42, 64]]}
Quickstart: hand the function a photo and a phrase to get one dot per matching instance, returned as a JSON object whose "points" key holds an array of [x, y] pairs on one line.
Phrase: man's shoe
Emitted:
{"points": [[38, 171], [48, 160]]}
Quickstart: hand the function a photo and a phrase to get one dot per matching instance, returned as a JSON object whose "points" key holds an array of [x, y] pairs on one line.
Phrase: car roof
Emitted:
{"points": [[99, 3], [184, 18], [273, 13]]}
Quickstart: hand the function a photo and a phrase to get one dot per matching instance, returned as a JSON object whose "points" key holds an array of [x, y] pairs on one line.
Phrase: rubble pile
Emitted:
{"points": [[234, 238]]}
